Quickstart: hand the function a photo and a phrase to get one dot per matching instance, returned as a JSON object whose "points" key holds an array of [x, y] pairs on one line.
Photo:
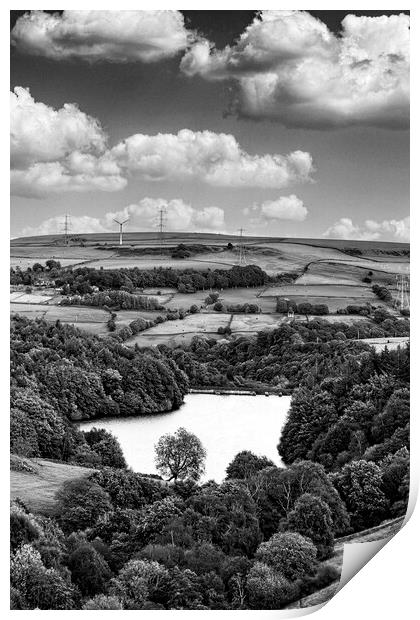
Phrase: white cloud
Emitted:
{"points": [[42, 179], [215, 159], [282, 208], [289, 67], [38, 133], [143, 215], [114, 36], [394, 230], [54, 226], [178, 215], [66, 150], [57, 150]]}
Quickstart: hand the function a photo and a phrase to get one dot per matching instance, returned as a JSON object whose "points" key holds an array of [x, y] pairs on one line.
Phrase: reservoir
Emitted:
{"points": [[225, 424]]}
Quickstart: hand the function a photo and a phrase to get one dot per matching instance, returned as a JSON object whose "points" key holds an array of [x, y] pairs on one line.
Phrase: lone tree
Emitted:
{"points": [[180, 456]]}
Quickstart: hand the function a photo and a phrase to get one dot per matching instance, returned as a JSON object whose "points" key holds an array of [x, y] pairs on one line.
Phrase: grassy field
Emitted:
{"points": [[37, 490], [319, 290], [26, 255], [203, 263], [192, 324], [29, 298]]}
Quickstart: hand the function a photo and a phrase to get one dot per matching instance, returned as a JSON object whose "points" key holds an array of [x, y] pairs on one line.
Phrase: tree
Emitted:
{"points": [[80, 503], [291, 554], [52, 264], [101, 601], [88, 569], [39, 587], [107, 446], [311, 517], [204, 558], [360, 485], [180, 455], [246, 464], [22, 529], [138, 581], [269, 589]]}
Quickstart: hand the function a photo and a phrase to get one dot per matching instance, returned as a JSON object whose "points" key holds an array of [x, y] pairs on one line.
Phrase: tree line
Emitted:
{"points": [[81, 280]]}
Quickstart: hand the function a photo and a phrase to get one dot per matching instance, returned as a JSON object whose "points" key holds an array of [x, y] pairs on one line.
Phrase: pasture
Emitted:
{"points": [[203, 263], [249, 323], [194, 323], [37, 490], [20, 297], [319, 290], [26, 255]]}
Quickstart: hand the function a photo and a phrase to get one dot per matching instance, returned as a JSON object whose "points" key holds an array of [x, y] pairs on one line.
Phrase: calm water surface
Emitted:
{"points": [[225, 425]]}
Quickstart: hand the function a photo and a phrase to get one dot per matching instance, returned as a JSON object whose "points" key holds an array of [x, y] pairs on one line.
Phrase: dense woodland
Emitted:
{"points": [[258, 540]]}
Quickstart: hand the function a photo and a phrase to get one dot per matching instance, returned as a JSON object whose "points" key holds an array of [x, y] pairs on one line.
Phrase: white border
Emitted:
{"points": [[387, 586]]}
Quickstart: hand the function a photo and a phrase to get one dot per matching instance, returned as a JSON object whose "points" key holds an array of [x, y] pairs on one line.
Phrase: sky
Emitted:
{"points": [[285, 123]]}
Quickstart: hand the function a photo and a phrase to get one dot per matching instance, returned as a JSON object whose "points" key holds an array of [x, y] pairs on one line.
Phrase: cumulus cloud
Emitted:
{"points": [[283, 208], [38, 133], [113, 36], [179, 216], [395, 230], [54, 226], [287, 66], [57, 150], [42, 179], [215, 159], [66, 150]]}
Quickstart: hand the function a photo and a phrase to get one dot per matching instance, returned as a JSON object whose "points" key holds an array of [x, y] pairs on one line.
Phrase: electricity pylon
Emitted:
{"points": [[403, 292], [241, 247], [161, 225], [66, 228]]}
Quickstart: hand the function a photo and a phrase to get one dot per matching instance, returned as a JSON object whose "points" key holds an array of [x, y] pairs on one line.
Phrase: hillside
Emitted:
{"points": [[37, 488], [173, 238]]}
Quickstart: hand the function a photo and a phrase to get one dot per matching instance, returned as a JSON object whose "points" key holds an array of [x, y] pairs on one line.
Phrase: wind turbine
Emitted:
{"points": [[121, 224]]}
